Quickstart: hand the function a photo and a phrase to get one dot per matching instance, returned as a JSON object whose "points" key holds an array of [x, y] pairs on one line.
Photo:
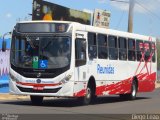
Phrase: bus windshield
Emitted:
{"points": [[41, 52]]}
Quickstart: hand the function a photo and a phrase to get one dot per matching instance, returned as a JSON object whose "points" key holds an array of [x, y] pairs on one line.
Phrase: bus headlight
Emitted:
{"points": [[13, 78], [66, 79]]}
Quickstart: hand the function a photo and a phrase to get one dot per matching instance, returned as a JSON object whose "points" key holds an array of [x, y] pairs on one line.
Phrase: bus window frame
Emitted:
{"points": [[122, 52], [154, 52], [113, 56], [139, 51], [147, 56], [79, 61], [131, 50], [92, 48], [103, 46]]}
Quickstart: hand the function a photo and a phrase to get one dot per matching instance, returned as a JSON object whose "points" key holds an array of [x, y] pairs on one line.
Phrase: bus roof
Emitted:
{"points": [[89, 28]]}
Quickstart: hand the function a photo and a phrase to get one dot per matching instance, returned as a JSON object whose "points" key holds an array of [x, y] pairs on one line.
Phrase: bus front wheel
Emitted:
{"points": [[88, 96], [36, 100]]}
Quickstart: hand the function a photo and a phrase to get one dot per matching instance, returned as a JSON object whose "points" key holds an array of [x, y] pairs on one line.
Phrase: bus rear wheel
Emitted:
{"points": [[132, 95], [36, 100]]}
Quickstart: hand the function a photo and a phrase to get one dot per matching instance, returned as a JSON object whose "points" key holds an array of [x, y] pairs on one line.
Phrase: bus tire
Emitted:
{"points": [[86, 100], [132, 95], [36, 100]]}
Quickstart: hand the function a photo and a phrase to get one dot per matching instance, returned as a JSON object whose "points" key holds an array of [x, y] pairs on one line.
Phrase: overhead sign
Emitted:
{"points": [[43, 10], [101, 18]]}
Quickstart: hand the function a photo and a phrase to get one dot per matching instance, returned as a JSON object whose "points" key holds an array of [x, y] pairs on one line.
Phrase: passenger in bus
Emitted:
{"points": [[131, 55], [92, 52], [122, 55]]}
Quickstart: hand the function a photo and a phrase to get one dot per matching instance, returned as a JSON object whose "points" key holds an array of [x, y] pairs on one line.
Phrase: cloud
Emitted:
{"points": [[119, 5], [8, 15], [102, 1], [141, 6]]}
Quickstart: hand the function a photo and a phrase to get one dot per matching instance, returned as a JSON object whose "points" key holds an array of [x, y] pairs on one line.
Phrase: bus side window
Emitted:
{"points": [[113, 51], [131, 50], [147, 47], [102, 46], [139, 49], [153, 49], [92, 45], [122, 48]]}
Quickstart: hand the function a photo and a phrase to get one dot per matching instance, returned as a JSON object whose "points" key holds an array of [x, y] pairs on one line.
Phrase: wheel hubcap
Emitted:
{"points": [[88, 93], [134, 91]]}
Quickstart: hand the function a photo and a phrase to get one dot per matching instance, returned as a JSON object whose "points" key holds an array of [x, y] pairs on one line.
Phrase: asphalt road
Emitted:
{"points": [[148, 103]]}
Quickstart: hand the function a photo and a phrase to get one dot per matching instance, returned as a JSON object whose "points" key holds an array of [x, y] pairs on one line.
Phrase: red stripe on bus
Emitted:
{"points": [[146, 83], [38, 85]]}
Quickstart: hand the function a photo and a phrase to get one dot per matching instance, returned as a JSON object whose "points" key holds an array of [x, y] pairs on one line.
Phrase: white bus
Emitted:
{"points": [[69, 59]]}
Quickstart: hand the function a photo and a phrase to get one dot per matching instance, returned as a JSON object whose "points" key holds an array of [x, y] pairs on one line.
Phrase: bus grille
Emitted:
{"points": [[31, 90]]}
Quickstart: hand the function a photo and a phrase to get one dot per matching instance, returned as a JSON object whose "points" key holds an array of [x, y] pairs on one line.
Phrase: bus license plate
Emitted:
{"points": [[38, 88]]}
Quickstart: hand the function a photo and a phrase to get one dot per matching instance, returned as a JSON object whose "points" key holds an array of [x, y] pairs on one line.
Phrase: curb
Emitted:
{"points": [[158, 85]]}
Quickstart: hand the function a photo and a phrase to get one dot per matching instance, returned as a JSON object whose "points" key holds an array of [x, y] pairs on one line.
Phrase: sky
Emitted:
{"points": [[146, 13]]}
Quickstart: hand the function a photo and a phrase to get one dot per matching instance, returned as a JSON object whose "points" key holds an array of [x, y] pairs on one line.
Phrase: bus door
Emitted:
{"points": [[80, 54]]}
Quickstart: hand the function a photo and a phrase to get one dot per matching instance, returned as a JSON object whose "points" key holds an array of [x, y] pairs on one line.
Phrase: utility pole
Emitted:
{"points": [[130, 16]]}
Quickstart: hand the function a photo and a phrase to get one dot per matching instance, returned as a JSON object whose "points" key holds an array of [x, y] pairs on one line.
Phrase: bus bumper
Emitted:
{"points": [[63, 90]]}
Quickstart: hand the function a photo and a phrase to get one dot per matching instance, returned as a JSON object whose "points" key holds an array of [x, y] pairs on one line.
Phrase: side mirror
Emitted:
{"points": [[4, 44]]}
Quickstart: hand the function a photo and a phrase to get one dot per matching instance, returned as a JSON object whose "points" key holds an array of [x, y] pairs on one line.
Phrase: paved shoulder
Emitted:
{"points": [[12, 97]]}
